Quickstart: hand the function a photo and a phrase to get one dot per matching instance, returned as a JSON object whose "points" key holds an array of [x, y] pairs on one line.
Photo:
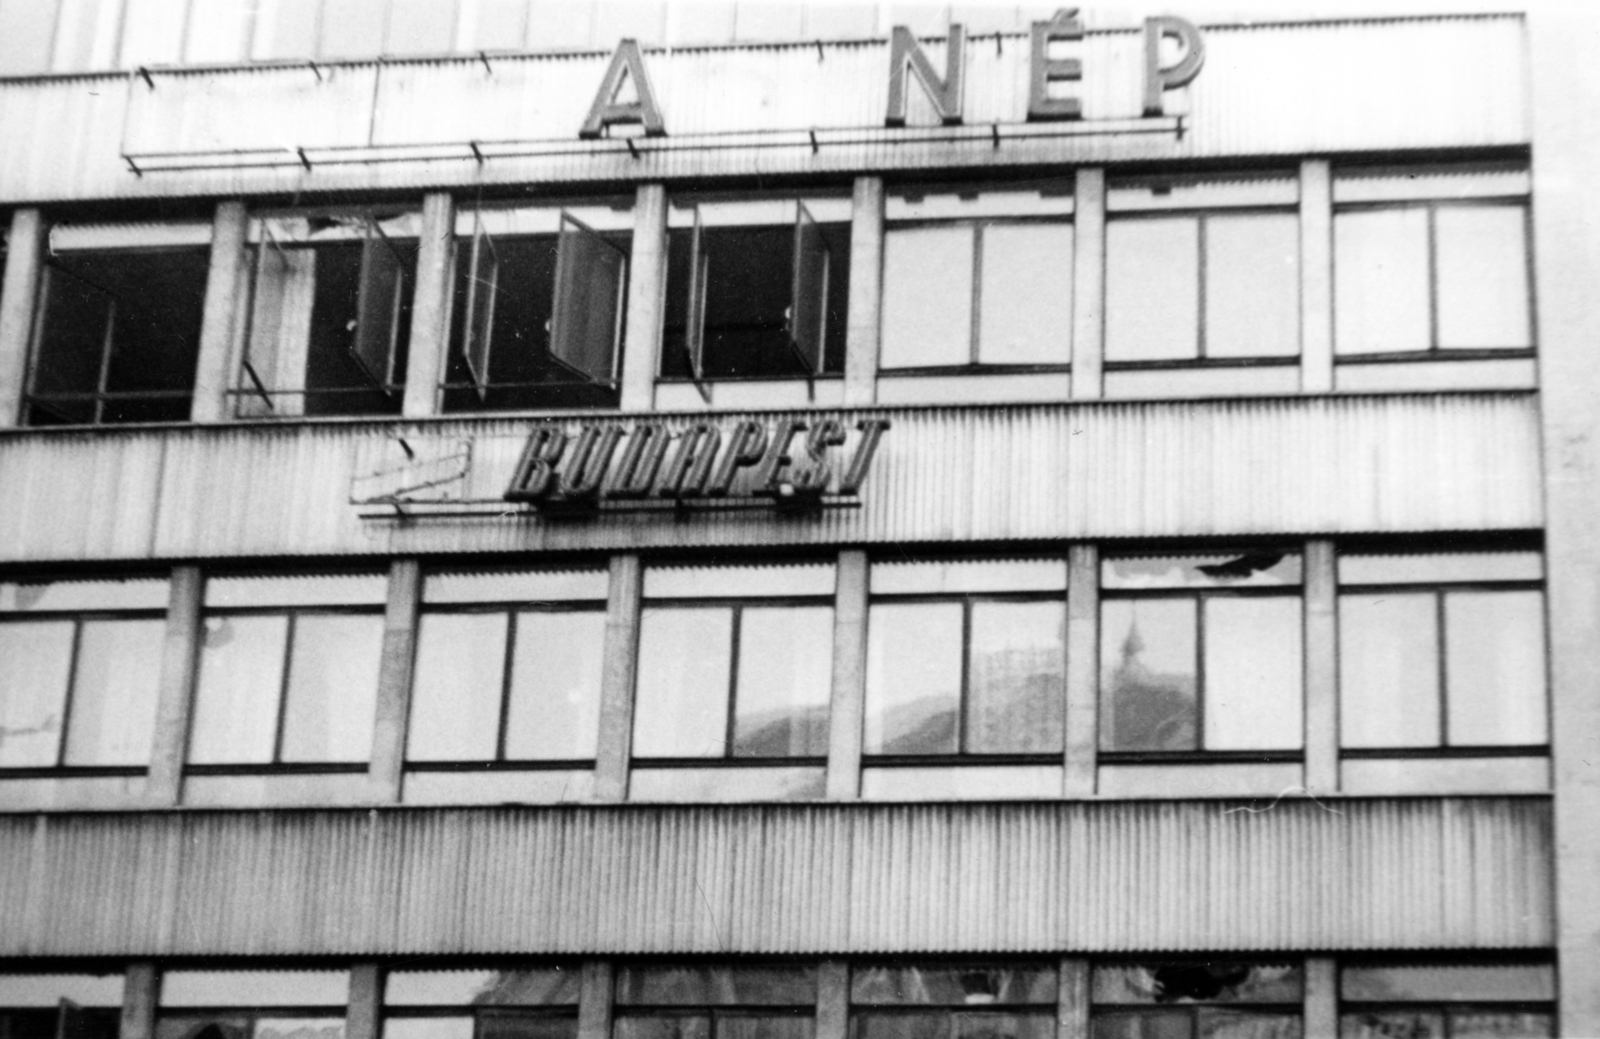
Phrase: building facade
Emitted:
{"points": [[808, 521]]}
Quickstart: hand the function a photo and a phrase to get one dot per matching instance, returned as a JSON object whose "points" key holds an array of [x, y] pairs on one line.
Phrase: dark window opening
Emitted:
{"points": [[68, 1021]]}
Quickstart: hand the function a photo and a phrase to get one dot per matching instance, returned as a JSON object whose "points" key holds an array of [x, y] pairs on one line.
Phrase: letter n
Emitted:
{"points": [[945, 94]]}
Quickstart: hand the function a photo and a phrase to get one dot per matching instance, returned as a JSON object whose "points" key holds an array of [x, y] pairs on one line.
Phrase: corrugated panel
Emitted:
{"points": [[1469, 873], [1245, 467]]}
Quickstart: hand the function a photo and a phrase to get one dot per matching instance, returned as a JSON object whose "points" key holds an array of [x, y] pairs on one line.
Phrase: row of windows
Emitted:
{"points": [[965, 659], [933, 999], [1199, 272]]}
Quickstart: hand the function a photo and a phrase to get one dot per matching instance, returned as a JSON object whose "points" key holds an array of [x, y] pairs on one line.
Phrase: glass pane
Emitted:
{"points": [[1003, 1026], [631, 1027], [1142, 1024], [717, 985], [113, 708], [785, 681], [545, 987], [1483, 276], [511, 1025], [1495, 668], [1025, 309], [808, 309], [913, 678], [715, 582], [515, 586], [136, 594], [1152, 289], [254, 988], [333, 687], [1016, 670], [1271, 567], [901, 1026], [297, 590], [1217, 1023], [1206, 982], [429, 1028], [954, 985], [927, 297], [586, 328], [1388, 670], [1436, 567], [203, 1028], [554, 713], [1253, 668], [743, 1026], [455, 694], [35, 660], [1253, 285], [1530, 982], [299, 1028], [1501, 1026], [47, 990], [682, 705], [241, 678], [1388, 1024], [976, 575], [1148, 680], [1380, 281]]}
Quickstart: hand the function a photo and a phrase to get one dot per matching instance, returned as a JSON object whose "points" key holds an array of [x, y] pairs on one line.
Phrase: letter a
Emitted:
{"points": [[626, 64]]}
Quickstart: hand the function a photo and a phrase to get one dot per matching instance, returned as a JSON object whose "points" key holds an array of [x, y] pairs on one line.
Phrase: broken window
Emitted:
{"points": [[539, 300], [1196, 999], [117, 332], [330, 315], [899, 1001], [756, 289]]}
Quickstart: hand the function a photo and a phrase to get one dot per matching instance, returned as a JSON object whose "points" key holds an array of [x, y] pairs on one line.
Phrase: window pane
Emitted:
{"points": [[299, 1028], [1261, 568], [1413, 1024], [35, 659], [241, 677], [1496, 983], [1215, 981], [913, 678], [515, 586], [1253, 674], [1501, 1026], [254, 988], [974, 575], [135, 594], [1388, 670], [1143, 1024], [954, 985], [717, 582], [231, 1027], [1437, 567], [1495, 668], [511, 1025], [297, 590], [901, 1026], [631, 1027], [428, 1028], [47, 990], [785, 681], [1016, 674], [540, 987], [712, 985], [333, 687], [1253, 286], [744, 1026], [682, 706], [927, 297], [1025, 310], [1147, 691], [555, 686], [455, 696], [1483, 276], [1218, 1023], [113, 708], [1380, 281], [989, 1025], [1152, 289]]}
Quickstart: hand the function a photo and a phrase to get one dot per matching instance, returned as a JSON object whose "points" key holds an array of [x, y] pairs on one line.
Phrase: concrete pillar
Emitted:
{"points": [[616, 683], [849, 676], [18, 293], [386, 770], [647, 298], [175, 699], [1321, 668], [1316, 277], [1089, 285], [1083, 671], [1322, 998], [1072, 1002], [364, 1012], [594, 1001], [140, 988], [430, 307], [227, 287], [864, 327], [833, 1000]]}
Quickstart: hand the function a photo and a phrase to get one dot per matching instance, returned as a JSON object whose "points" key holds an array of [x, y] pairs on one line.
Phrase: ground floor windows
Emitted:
{"points": [[715, 1002], [60, 1006], [1202, 999], [532, 1003], [245, 1004], [1447, 1001], [954, 1001]]}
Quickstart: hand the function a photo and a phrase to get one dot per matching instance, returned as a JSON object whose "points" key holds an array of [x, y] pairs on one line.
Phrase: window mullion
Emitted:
{"points": [[66, 700], [283, 684], [731, 722], [506, 689]]}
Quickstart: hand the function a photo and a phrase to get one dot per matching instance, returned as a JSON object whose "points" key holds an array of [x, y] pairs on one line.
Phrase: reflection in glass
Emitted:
{"points": [[241, 677], [35, 659], [716, 985], [1247, 568], [333, 685], [743, 1026], [662, 1027], [954, 985], [455, 695], [554, 713], [299, 1028], [113, 707], [1253, 285], [1495, 668], [539, 987], [1220, 1023], [913, 678], [784, 683], [1152, 309], [1148, 681], [1253, 674], [428, 1028], [682, 704], [927, 297], [1388, 670], [1141, 1024], [512, 1025], [1501, 1026], [1483, 277], [1449, 983], [901, 1026], [1016, 670], [1214, 981], [1388, 1024], [1380, 281], [203, 1028], [1025, 307]]}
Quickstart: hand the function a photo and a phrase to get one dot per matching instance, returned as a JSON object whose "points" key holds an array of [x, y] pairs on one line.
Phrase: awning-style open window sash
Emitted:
{"points": [[694, 337], [808, 305], [378, 304], [483, 286], [591, 285], [265, 303]]}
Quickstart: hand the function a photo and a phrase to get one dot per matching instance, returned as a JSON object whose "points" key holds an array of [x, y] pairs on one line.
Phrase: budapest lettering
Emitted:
{"points": [[792, 462]]}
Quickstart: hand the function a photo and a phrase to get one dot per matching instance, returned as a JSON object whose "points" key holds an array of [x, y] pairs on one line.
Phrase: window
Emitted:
{"points": [[1201, 654], [748, 1001], [1442, 650], [508, 667], [260, 1004], [978, 278], [1196, 1000], [330, 316], [540, 296], [288, 671], [1431, 260], [1447, 1001], [80, 666], [725, 674], [1202, 269], [953, 1001], [966, 658], [756, 289], [533, 1003], [60, 1006], [117, 334]]}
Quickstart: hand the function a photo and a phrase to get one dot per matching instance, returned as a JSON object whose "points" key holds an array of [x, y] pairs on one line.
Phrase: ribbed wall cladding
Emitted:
{"points": [[1469, 873], [1400, 84]]}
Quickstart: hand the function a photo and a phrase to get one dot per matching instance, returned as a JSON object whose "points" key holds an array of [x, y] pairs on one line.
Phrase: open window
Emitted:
{"points": [[540, 296]]}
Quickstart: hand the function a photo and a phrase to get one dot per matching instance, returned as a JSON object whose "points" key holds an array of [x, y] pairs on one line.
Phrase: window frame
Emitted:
{"points": [[1445, 1008], [478, 1012], [948, 1010], [714, 1013]]}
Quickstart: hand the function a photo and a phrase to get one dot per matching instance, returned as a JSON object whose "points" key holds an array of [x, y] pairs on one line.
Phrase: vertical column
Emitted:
{"points": [[594, 1001], [175, 698], [647, 298], [364, 1014], [1072, 1006], [225, 283], [385, 772], [833, 1000], [141, 985], [1322, 998], [18, 293], [849, 677], [616, 683], [1089, 284], [864, 327], [1083, 668], [1321, 669], [1316, 277], [430, 307]]}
